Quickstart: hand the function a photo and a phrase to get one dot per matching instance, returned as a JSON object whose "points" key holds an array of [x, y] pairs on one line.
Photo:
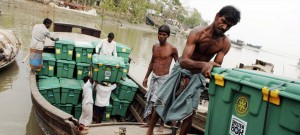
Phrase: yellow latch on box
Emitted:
{"points": [[274, 95], [219, 79]]}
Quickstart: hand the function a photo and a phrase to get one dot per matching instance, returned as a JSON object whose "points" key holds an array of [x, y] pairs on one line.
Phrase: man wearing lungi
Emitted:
{"points": [[162, 55], [178, 97], [38, 38]]}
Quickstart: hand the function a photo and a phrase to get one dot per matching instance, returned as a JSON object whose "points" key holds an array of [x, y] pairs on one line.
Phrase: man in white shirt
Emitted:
{"points": [[107, 46], [38, 38], [103, 91], [86, 117]]}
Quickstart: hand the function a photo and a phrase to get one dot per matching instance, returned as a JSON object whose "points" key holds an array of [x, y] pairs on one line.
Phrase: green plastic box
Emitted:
{"points": [[65, 107], [123, 51], [83, 69], [119, 106], [65, 68], [50, 89], [78, 110], [125, 70], [70, 91], [126, 90], [84, 52], [48, 65], [107, 68], [250, 103], [64, 49], [108, 112]]}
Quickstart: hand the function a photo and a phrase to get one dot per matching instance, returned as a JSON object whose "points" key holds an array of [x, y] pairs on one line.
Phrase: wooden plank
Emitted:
{"points": [[135, 114], [140, 100]]}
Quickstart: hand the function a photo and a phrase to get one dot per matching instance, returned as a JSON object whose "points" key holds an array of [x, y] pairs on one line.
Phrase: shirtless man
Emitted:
{"points": [[162, 55], [202, 45]]}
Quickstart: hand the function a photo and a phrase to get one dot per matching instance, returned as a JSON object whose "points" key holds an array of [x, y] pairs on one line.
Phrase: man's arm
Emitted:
{"points": [[150, 69], [48, 35], [99, 46], [220, 55], [186, 61], [115, 50], [175, 54]]}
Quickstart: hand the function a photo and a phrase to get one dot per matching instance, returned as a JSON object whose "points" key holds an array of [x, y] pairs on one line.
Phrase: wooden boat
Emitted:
{"points": [[238, 42], [254, 46], [150, 21], [54, 121], [9, 48], [259, 66]]}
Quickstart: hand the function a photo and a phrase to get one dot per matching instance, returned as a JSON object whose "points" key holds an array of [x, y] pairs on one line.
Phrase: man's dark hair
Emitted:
{"points": [[47, 21], [231, 14], [111, 35], [164, 28], [85, 79]]}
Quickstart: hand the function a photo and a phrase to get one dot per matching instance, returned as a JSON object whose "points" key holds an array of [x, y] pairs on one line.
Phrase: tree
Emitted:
{"points": [[194, 19]]}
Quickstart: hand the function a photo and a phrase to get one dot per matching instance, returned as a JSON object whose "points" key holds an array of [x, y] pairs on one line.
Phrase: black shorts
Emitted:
{"points": [[100, 110]]}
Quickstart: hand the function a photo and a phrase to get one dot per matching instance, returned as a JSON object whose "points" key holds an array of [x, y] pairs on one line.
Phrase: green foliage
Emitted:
{"points": [[194, 19]]}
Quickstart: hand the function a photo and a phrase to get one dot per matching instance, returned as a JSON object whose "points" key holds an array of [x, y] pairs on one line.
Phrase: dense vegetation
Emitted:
{"points": [[135, 10]]}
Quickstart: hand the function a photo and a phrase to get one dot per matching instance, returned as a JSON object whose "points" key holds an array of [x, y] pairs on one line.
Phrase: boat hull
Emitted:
{"points": [[52, 120]]}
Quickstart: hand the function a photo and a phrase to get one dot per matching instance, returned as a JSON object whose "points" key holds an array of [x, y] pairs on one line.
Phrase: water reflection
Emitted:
{"points": [[7, 77], [32, 127]]}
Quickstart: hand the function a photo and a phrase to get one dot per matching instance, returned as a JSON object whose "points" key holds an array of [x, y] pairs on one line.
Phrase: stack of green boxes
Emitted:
{"points": [[64, 91], [70, 91], [244, 102], [50, 89], [107, 68], [48, 65], [124, 52], [123, 96], [126, 90], [119, 106], [84, 52], [64, 55]]}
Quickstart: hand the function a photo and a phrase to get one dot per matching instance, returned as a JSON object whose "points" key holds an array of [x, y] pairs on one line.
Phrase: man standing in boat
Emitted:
{"points": [[178, 97], [38, 38], [162, 55], [107, 46]]}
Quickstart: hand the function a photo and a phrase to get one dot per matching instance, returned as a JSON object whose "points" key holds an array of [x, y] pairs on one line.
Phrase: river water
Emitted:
{"points": [[16, 114]]}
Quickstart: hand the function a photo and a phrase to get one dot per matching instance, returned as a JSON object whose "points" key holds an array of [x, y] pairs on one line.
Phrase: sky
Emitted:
{"points": [[273, 24]]}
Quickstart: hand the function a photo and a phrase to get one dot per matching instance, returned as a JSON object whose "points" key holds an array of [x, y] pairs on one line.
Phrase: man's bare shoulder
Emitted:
{"points": [[199, 29]]}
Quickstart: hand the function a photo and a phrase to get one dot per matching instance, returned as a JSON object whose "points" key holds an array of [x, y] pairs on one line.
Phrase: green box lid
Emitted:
{"points": [[123, 48], [95, 43], [129, 82], [48, 83], [66, 61], [65, 42], [83, 64], [83, 44], [109, 60], [49, 56], [70, 83], [81, 83]]}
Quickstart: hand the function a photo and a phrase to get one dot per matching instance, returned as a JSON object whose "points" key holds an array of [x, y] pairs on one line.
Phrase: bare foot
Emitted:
{"points": [[160, 129], [144, 125]]}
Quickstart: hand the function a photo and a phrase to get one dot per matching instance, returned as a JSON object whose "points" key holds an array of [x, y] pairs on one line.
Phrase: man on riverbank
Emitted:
{"points": [[107, 46], [39, 34], [178, 97], [162, 55]]}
